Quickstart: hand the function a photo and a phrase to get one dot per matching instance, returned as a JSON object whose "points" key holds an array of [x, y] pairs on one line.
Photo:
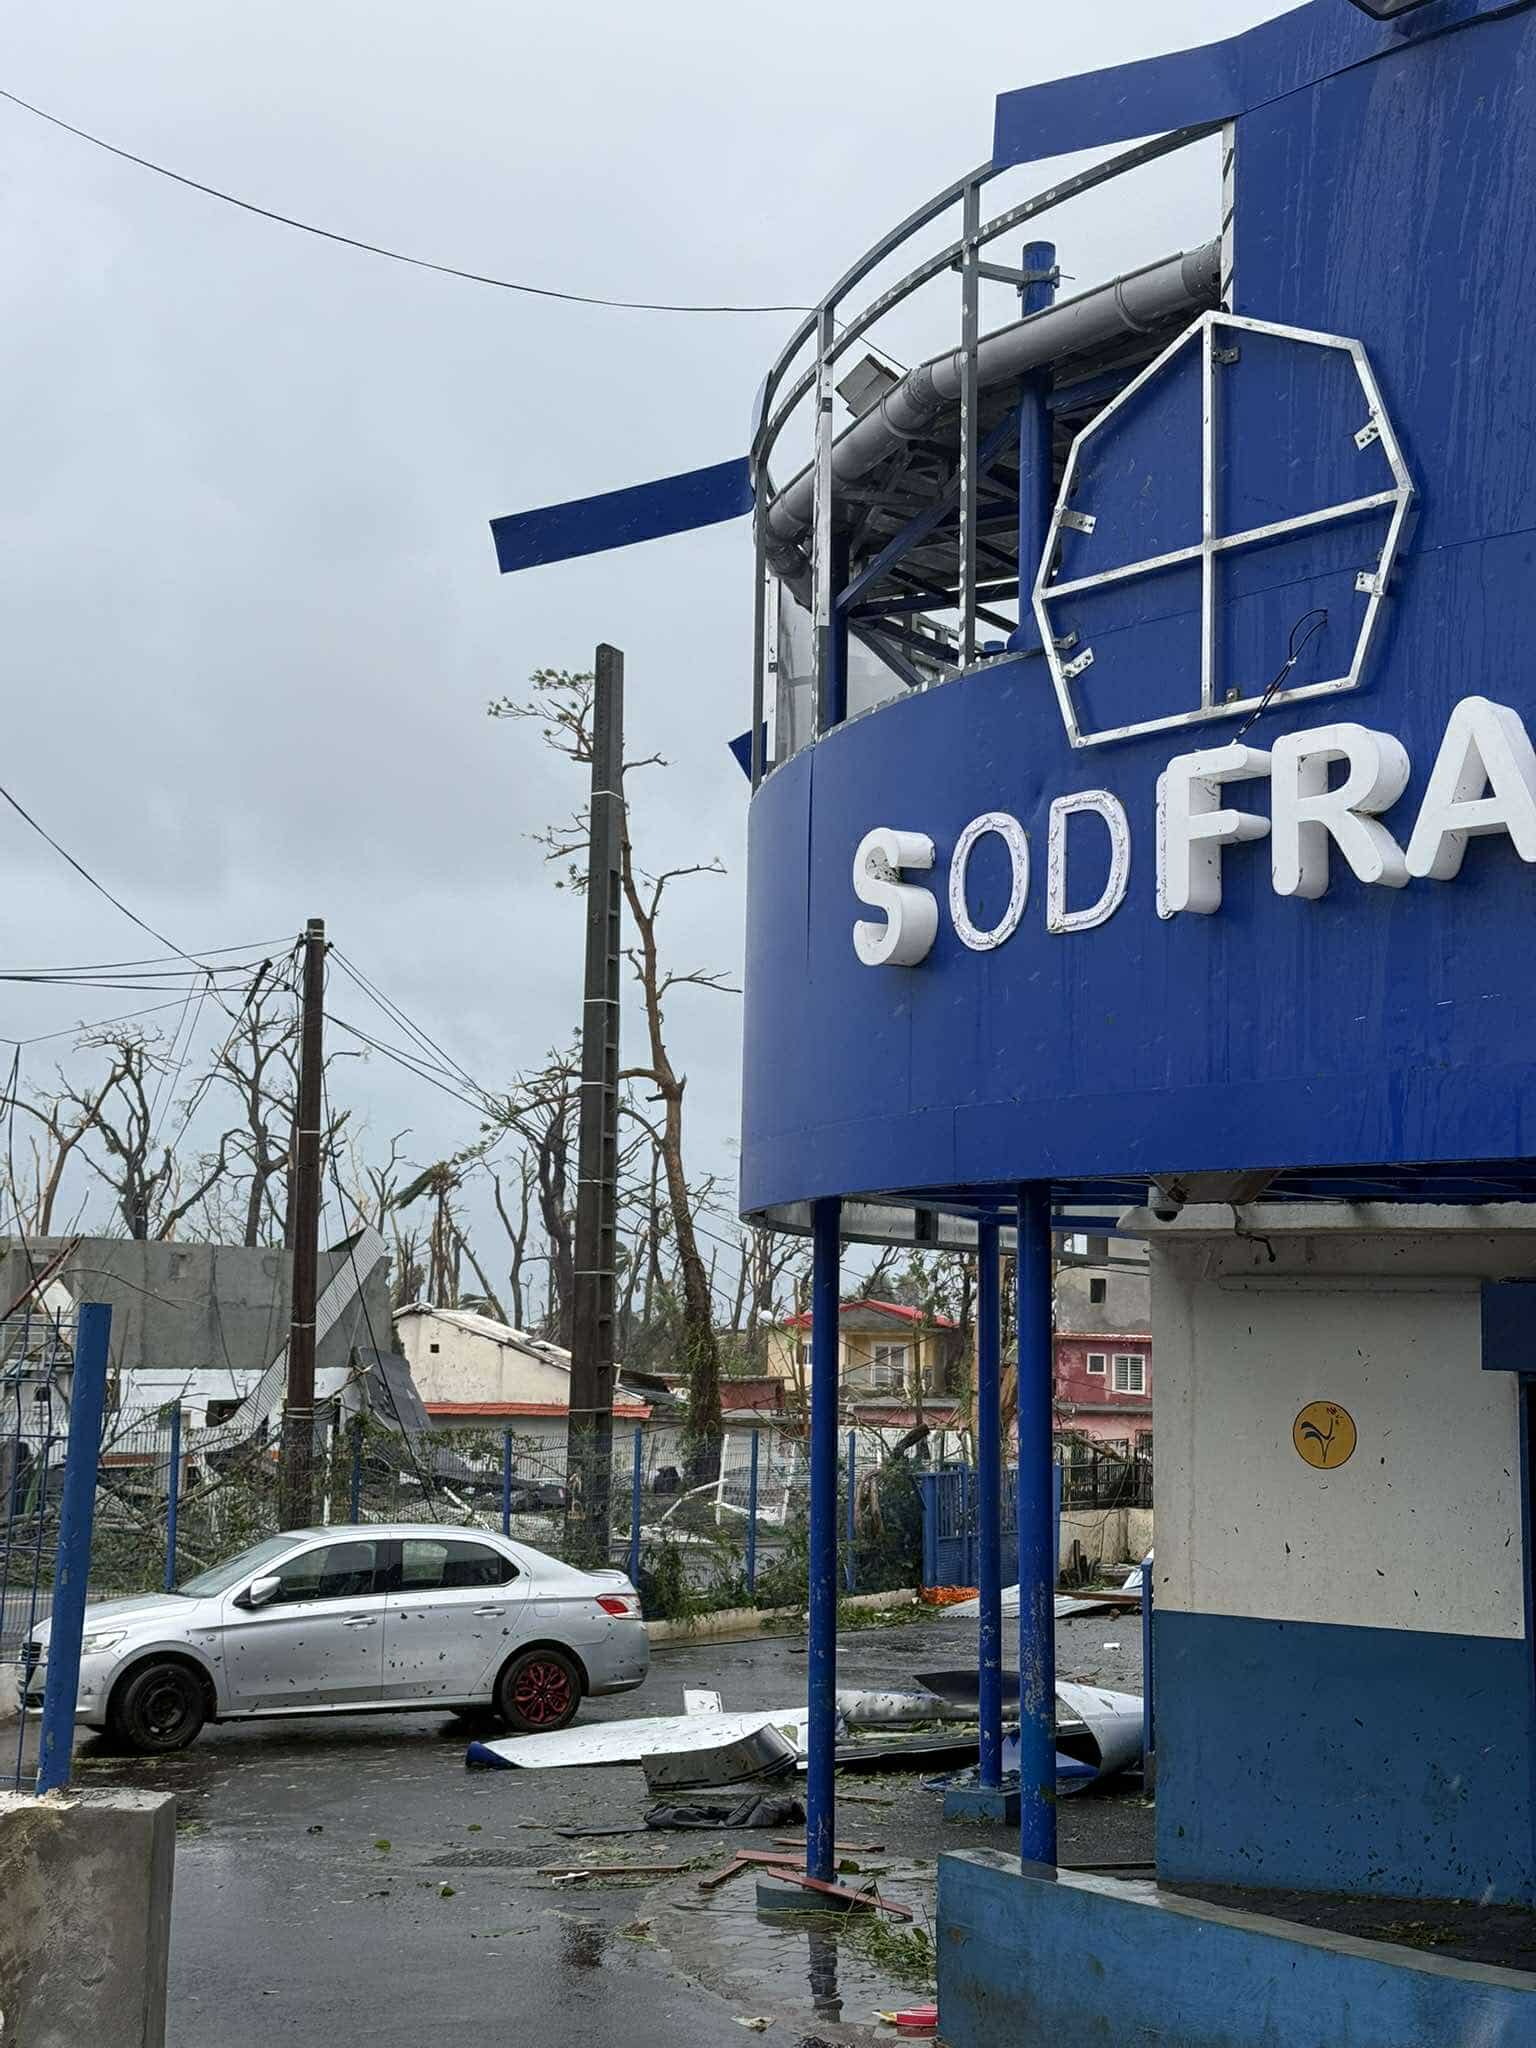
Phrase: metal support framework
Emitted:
{"points": [[1218, 698], [1036, 480], [759, 636], [970, 341], [821, 1645], [824, 625], [590, 1443], [989, 1501], [77, 1508], [1037, 1533], [752, 1519]]}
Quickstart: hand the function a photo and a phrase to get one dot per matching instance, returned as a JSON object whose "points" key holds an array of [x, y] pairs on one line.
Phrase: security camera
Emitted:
{"points": [[1163, 1202]]}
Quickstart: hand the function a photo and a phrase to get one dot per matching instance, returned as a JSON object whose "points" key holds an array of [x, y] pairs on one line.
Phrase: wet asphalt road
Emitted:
{"points": [[347, 1880]]}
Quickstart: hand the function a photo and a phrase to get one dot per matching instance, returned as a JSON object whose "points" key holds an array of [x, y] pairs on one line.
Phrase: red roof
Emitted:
{"points": [[898, 1309], [463, 1411]]}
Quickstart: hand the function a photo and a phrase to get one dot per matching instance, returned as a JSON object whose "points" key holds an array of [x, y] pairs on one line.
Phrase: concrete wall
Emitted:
{"points": [[85, 1919], [1127, 1297], [1107, 1535], [1029, 1955], [450, 1362], [190, 1306], [1344, 1682]]}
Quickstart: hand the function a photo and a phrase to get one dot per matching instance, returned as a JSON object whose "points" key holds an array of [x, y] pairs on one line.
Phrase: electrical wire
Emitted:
{"points": [[393, 1010], [305, 227], [1296, 648], [482, 1107], [100, 887]]}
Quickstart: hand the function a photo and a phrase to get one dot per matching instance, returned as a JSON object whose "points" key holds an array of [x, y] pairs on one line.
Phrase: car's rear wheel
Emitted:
{"points": [[539, 1692], [159, 1708]]}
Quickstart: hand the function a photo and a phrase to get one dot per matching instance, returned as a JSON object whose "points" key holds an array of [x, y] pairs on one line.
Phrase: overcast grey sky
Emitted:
{"points": [[251, 610]]}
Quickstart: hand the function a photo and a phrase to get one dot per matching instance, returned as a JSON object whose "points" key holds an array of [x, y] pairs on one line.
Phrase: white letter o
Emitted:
{"points": [[1016, 839]]}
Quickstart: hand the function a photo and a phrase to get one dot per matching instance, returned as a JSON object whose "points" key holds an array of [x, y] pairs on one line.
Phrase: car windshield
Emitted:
{"points": [[220, 1577]]}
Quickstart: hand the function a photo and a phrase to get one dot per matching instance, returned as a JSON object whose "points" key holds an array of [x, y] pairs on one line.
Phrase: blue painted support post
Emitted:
{"points": [[850, 1568], [989, 1502], [1148, 1691], [1036, 481], [506, 1482], [72, 1563], [636, 1478], [752, 1520], [355, 1484], [966, 1532], [1037, 1533], [821, 1645], [173, 1498]]}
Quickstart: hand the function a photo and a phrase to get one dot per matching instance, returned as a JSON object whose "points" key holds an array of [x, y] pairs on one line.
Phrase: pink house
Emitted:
{"points": [[1104, 1385]]}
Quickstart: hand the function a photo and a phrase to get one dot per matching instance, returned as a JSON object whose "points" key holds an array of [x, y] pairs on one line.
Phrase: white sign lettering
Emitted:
{"points": [[1483, 781], [912, 916], [1016, 839]]}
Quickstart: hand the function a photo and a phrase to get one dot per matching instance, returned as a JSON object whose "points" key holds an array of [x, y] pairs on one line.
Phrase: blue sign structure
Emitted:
{"points": [[1288, 584]]}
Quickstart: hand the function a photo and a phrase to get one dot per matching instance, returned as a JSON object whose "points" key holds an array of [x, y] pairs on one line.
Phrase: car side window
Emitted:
{"points": [[431, 1564], [336, 1571]]}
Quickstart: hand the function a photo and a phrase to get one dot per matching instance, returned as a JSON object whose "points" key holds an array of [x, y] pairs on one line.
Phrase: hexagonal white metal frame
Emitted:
{"points": [[1375, 427]]}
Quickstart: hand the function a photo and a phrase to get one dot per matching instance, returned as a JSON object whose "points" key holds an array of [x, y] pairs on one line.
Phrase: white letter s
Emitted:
{"points": [[912, 914]]}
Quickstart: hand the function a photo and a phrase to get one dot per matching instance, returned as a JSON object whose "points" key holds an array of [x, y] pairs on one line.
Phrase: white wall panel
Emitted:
{"points": [[1422, 1528]]}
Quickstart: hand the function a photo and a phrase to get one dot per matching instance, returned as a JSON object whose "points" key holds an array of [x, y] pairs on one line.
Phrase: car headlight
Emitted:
{"points": [[101, 1639]]}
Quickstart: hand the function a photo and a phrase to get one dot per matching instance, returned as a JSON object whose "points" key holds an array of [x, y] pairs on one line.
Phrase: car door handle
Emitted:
{"points": [[360, 1621], [492, 1612]]}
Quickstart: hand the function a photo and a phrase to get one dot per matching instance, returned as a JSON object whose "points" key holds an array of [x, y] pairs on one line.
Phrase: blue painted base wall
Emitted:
{"points": [[1344, 1759], [1030, 1959]]}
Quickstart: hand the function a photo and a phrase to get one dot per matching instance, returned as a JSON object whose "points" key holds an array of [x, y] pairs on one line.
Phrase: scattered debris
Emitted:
{"points": [[897, 1709], [838, 1848], [864, 1901], [633, 1742], [744, 1860], [753, 2026], [757, 1810], [699, 1701]]}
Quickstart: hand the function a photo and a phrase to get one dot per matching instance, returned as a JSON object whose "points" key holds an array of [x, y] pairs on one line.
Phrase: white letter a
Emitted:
{"points": [[1485, 749]]}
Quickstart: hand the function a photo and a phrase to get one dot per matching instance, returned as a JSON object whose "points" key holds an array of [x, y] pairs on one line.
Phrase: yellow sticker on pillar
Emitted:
{"points": [[1324, 1434]]}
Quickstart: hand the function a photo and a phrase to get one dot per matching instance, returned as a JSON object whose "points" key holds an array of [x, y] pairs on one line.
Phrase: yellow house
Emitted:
{"points": [[887, 1352]]}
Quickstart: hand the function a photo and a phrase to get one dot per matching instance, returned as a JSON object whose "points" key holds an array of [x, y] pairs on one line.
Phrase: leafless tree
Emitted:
{"points": [[541, 1110], [561, 704], [151, 1189]]}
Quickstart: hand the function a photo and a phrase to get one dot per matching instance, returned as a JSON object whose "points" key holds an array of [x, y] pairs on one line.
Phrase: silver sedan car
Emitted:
{"points": [[386, 1617]]}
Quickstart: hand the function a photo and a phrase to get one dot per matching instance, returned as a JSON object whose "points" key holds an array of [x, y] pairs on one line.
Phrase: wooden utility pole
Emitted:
{"points": [[297, 1479], [589, 1444]]}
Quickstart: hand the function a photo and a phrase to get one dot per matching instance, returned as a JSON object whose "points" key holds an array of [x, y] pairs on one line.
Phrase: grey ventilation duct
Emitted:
{"points": [[1178, 288]]}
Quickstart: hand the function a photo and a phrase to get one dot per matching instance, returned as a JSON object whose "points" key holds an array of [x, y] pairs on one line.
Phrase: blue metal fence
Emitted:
{"points": [[53, 1383], [951, 1543]]}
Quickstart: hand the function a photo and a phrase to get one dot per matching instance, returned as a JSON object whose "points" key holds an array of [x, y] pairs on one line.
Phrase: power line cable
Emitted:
{"points": [[306, 227], [84, 872], [393, 1010]]}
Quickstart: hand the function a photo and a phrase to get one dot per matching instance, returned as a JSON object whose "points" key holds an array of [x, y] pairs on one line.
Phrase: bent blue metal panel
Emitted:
{"points": [[1372, 1026], [1214, 82], [619, 519]]}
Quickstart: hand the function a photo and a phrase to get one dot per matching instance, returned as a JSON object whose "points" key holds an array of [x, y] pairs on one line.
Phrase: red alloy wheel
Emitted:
{"points": [[542, 1692]]}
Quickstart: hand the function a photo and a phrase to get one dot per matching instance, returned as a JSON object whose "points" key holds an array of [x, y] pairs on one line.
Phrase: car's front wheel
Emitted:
{"points": [[159, 1708], [538, 1692]]}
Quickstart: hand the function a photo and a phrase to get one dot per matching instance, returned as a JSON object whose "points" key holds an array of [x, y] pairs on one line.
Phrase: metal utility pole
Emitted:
{"points": [[297, 1479], [589, 1449]]}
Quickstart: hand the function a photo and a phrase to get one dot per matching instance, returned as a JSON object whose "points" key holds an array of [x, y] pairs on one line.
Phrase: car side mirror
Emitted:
{"points": [[260, 1591]]}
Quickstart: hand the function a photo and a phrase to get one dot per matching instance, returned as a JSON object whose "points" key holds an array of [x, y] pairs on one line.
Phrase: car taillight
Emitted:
{"points": [[624, 1605]]}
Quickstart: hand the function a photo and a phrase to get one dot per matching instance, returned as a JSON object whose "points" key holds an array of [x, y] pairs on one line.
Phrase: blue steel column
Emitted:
{"points": [[1037, 1534], [820, 1796], [72, 1566], [1036, 493], [989, 1502], [173, 1499]]}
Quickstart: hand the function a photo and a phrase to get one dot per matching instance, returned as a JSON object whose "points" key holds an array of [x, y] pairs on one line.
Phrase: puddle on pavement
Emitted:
{"points": [[836, 1967]]}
